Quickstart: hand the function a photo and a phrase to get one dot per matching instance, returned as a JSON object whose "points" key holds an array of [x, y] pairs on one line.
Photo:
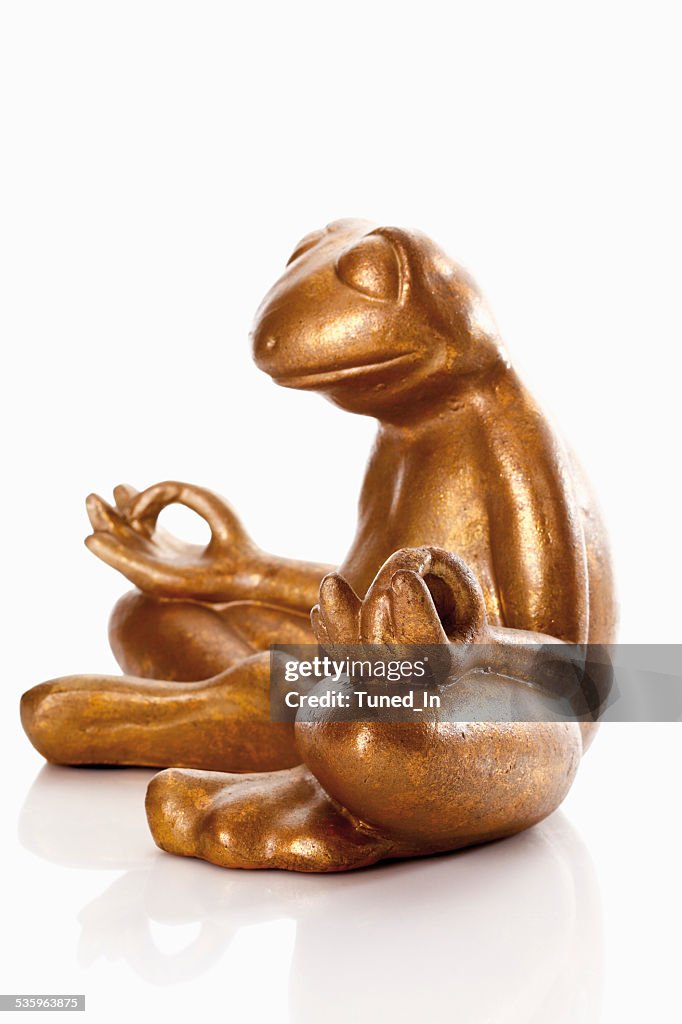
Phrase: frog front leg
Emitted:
{"points": [[230, 568], [197, 611], [196, 689]]}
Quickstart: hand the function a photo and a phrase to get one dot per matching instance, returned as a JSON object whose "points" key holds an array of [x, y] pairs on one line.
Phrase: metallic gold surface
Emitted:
{"points": [[370, 790], [384, 324]]}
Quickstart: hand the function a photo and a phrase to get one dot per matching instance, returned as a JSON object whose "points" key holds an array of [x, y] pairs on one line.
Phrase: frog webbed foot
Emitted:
{"points": [[278, 819]]}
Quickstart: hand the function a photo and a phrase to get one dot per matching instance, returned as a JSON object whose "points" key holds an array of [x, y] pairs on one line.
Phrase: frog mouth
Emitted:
{"points": [[319, 378]]}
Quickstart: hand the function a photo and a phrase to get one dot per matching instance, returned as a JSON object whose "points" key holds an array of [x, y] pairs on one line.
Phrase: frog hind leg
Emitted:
{"points": [[158, 638], [222, 723]]}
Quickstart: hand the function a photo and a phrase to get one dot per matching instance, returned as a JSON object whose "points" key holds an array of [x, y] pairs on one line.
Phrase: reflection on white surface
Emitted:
{"points": [[509, 932], [88, 817]]}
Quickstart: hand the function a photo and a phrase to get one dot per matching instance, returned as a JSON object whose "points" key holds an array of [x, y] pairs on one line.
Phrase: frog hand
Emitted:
{"points": [[127, 538], [420, 596]]}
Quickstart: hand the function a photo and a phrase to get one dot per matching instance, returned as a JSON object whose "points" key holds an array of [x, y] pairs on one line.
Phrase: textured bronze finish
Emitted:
{"points": [[383, 323], [374, 790]]}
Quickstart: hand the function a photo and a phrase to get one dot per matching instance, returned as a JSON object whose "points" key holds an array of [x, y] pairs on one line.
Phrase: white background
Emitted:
{"points": [[159, 162]]}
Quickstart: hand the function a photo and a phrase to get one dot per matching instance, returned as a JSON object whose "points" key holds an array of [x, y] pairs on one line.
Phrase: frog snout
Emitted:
{"points": [[266, 345], [280, 349], [266, 348]]}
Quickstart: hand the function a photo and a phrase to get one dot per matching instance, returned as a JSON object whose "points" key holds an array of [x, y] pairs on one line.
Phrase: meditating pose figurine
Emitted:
{"points": [[474, 526]]}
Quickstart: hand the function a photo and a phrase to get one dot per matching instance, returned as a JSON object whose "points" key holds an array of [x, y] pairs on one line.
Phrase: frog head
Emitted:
{"points": [[376, 318]]}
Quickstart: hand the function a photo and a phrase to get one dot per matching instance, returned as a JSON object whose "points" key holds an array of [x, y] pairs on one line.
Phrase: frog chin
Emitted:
{"points": [[314, 379]]}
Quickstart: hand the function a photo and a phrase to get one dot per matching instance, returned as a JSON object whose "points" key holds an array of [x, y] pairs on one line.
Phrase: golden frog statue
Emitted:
{"points": [[474, 525]]}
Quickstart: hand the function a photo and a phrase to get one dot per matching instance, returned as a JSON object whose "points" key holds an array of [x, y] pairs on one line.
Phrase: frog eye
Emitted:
{"points": [[306, 243], [371, 266]]}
